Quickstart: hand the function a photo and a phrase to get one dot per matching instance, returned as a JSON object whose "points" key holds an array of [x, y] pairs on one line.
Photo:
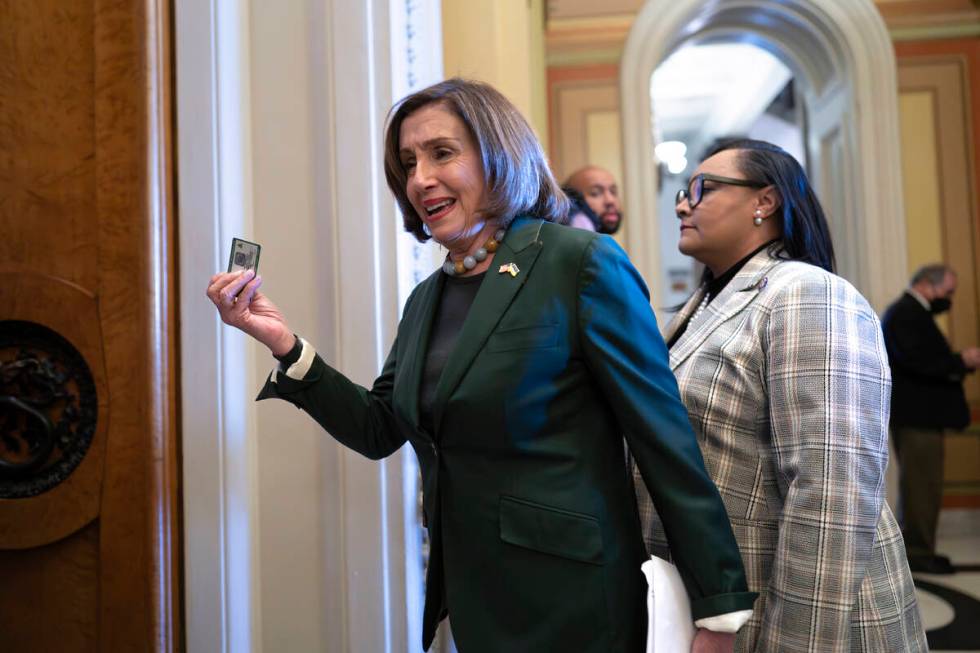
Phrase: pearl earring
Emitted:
{"points": [[758, 218]]}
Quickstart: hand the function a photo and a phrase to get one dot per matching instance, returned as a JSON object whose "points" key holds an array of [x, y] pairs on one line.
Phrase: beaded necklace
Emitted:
{"points": [[456, 268]]}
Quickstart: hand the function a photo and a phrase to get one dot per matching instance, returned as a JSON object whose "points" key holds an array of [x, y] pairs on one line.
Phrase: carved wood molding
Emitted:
{"points": [[48, 409], [137, 295], [60, 509]]}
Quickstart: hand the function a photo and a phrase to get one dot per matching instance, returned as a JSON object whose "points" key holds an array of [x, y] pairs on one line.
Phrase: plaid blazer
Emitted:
{"points": [[786, 383]]}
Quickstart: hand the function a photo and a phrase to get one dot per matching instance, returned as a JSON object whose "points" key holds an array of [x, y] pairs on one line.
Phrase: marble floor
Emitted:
{"points": [[950, 604]]}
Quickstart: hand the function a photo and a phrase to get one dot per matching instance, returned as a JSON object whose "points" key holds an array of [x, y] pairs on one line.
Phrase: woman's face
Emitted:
{"points": [[722, 223], [445, 174]]}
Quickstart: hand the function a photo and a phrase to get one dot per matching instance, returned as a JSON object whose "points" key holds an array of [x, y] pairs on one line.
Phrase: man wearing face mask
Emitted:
{"points": [[927, 397]]}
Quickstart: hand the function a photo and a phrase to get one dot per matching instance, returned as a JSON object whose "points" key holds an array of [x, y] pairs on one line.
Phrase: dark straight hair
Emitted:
{"points": [[805, 233]]}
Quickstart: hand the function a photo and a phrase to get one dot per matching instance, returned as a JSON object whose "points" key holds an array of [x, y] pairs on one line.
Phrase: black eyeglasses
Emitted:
{"points": [[694, 192]]}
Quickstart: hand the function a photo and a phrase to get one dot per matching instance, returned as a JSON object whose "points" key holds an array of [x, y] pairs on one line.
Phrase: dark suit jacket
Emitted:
{"points": [[927, 376], [535, 537]]}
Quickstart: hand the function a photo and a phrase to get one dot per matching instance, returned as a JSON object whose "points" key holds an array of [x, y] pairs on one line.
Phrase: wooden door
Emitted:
{"points": [[89, 541]]}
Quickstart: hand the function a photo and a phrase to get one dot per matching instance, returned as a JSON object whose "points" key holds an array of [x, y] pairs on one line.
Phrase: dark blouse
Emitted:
{"points": [[457, 297]]}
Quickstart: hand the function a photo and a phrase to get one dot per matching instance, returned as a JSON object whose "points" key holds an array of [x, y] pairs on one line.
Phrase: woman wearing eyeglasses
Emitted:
{"points": [[784, 375]]}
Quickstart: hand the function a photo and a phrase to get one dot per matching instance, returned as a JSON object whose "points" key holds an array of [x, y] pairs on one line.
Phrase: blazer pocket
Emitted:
{"points": [[533, 337], [554, 531]]}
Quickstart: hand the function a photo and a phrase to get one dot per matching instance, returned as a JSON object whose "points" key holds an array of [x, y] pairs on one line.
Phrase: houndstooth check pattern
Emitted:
{"points": [[786, 382]]}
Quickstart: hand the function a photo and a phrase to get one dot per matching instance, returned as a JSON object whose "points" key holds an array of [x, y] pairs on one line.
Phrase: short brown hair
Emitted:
{"points": [[515, 169]]}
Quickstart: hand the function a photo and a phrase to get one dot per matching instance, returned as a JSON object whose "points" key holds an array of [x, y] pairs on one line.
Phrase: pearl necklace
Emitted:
{"points": [[703, 305], [456, 268]]}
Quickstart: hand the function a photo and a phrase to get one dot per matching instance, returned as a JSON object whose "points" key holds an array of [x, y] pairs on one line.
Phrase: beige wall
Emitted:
{"points": [[500, 42], [585, 127], [940, 207], [920, 174], [603, 134]]}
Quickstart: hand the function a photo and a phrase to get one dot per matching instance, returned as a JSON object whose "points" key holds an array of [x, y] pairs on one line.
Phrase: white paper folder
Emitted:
{"points": [[670, 628]]}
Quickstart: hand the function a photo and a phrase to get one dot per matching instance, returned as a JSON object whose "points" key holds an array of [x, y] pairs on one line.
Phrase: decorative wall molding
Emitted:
{"points": [[945, 81], [954, 29], [899, 14], [579, 37], [572, 9]]}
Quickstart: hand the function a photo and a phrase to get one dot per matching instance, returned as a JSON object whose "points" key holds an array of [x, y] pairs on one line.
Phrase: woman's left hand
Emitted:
{"points": [[708, 641]]}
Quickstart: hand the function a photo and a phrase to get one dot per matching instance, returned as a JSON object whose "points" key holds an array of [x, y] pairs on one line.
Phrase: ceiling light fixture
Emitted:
{"points": [[673, 155]]}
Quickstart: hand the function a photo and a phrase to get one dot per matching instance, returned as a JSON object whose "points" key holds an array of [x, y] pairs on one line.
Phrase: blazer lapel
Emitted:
{"points": [[740, 291], [417, 335], [689, 307], [520, 247]]}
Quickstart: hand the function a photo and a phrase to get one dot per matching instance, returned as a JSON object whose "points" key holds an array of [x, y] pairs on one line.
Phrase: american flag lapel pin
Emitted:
{"points": [[509, 267]]}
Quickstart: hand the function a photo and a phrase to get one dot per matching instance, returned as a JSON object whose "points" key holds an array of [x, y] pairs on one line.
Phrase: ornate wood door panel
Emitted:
{"points": [[89, 542]]}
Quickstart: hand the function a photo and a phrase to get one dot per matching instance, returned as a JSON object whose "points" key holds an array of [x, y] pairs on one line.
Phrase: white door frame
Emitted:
{"points": [[330, 257]]}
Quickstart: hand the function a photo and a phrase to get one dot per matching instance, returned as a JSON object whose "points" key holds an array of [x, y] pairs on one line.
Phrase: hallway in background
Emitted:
{"points": [[950, 604]]}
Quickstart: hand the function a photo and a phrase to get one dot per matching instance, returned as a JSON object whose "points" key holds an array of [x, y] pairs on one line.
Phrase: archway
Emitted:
{"points": [[841, 50]]}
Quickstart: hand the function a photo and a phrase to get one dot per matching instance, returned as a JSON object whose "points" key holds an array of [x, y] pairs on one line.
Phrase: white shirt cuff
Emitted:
{"points": [[725, 623], [298, 370]]}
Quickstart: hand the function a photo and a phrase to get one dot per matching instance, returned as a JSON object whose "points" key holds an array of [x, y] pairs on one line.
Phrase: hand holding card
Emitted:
{"points": [[236, 296]]}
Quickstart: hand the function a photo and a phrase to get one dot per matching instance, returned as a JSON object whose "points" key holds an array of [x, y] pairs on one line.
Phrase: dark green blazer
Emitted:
{"points": [[535, 538]]}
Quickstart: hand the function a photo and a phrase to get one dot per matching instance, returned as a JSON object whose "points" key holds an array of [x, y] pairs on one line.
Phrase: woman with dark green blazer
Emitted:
{"points": [[516, 371]]}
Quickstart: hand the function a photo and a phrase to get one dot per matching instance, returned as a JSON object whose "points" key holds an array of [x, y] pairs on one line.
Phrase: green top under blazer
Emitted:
{"points": [[532, 518]]}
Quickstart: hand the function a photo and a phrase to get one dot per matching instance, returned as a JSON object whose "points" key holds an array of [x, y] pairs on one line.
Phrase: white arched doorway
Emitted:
{"points": [[842, 54]]}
